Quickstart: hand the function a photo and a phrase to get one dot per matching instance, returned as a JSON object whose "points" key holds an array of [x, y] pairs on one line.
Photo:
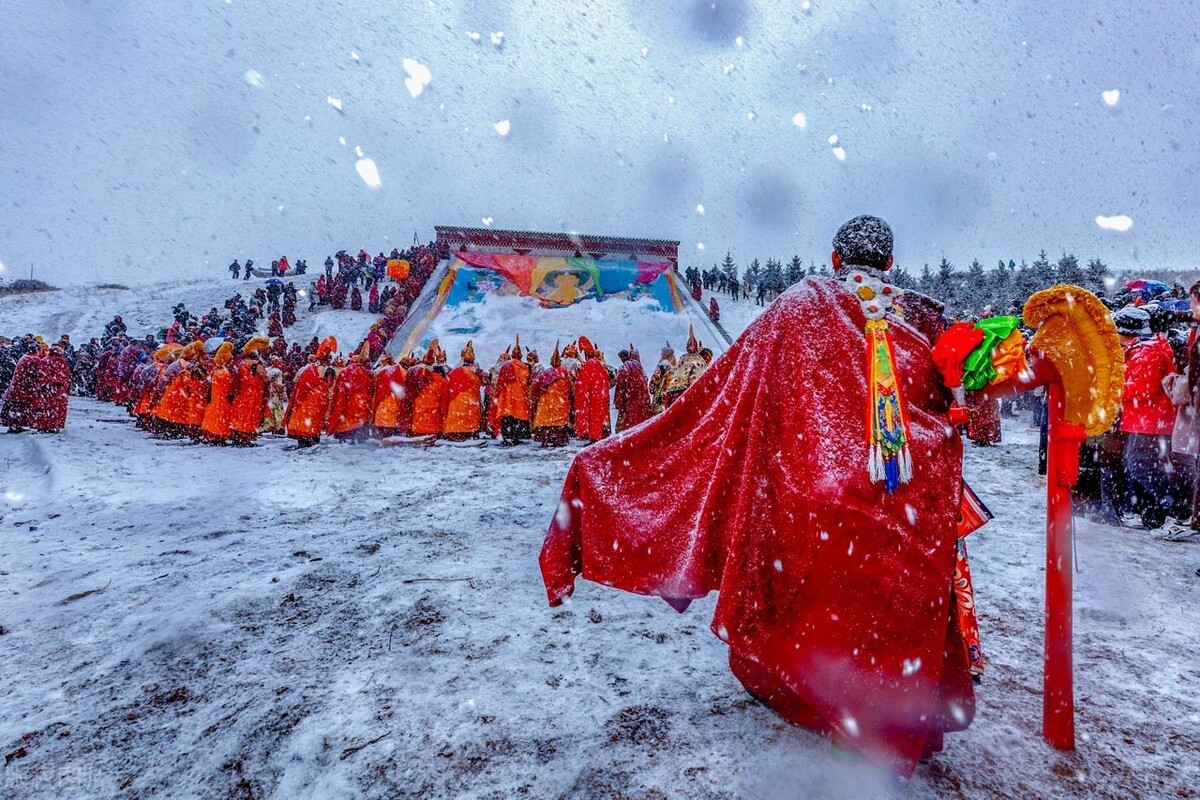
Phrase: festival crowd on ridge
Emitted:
{"points": [[216, 379]]}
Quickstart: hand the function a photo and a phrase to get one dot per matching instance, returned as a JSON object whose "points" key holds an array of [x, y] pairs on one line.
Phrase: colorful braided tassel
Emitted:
{"points": [[890, 459]]}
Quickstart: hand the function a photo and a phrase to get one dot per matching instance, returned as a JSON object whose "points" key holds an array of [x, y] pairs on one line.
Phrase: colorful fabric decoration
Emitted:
{"points": [[972, 513], [890, 460], [952, 349], [964, 597], [1009, 359], [978, 370]]}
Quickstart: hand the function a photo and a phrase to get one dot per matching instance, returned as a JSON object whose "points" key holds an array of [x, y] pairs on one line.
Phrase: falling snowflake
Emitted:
{"points": [[699, 208], [335, 102], [418, 78], [253, 77], [503, 127], [699, 245], [799, 120], [354, 57], [1111, 97], [1119, 223], [368, 172], [3, 268], [487, 221], [912, 666], [833, 139], [498, 38], [839, 153], [474, 36]]}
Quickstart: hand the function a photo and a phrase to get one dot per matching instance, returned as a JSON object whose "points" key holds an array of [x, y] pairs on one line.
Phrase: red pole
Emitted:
{"points": [[1058, 702]]}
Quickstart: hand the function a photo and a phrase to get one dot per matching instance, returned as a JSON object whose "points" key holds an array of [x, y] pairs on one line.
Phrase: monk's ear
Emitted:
{"points": [[891, 260]]}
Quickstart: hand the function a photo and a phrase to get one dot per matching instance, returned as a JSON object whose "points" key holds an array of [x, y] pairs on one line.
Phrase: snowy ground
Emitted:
{"points": [[190, 621]]}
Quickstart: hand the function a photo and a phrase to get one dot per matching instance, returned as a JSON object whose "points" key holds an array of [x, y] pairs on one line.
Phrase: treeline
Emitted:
{"points": [[972, 290]]}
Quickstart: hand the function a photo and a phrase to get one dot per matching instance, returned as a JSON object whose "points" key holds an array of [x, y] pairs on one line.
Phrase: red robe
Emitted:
{"points": [[308, 407], [351, 406], [591, 400], [835, 597], [37, 394], [462, 409], [632, 396], [388, 388]]}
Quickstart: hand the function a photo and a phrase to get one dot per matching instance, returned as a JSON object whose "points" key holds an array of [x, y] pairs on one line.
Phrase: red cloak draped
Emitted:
{"points": [[632, 395], [350, 408], [835, 597], [37, 394], [591, 400]]}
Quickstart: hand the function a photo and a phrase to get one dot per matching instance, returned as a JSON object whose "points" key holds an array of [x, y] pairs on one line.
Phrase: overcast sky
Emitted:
{"points": [[142, 138]]}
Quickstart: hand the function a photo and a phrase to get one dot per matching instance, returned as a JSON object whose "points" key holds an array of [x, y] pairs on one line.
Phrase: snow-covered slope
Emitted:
{"points": [[83, 311], [143, 137]]}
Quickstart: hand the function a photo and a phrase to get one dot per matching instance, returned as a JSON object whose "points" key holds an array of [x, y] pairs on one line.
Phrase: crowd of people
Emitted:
{"points": [[214, 377], [1149, 461]]}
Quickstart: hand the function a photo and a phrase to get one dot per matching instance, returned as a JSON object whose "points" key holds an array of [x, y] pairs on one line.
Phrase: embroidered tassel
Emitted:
{"points": [[906, 468], [875, 464]]}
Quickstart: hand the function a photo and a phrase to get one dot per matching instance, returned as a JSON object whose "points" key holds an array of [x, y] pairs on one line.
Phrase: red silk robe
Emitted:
{"points": [[591, 400], [835, 597], [350, 408], [308, 407], [389, 387], [632, 395], [462, 412]]}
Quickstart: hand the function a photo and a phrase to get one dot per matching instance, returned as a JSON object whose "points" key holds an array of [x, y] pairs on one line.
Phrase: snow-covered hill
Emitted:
{"points": [[83, 311]]}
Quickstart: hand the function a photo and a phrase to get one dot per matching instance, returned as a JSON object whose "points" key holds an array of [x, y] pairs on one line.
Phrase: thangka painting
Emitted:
{"points": [[557, 282]]}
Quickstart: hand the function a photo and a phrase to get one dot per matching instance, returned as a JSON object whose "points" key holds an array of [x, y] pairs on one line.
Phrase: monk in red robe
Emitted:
{"points": [[463, 386], [350, 409], [632, 391], [428, 391], [512, 399], [214, 427], [387, 391], [551, 396], [36, 397], [251, 382], [833, 549], [591, 395], [308, 408]]}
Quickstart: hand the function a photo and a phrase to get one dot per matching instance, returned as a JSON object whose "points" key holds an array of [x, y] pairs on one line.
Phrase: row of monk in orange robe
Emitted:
{"points": [[517, 399], [232, 397], [219, 398]]}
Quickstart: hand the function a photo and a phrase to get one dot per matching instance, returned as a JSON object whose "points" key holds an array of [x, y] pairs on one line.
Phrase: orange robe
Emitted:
{"points": [[389, 385], [309, 405], [175, 403], [430, 403], [215, 424], [512, 391], [251, 399], [145, 399], [462, 412], [197, 397], [351, 406], [591, 400], [552, 399]]}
